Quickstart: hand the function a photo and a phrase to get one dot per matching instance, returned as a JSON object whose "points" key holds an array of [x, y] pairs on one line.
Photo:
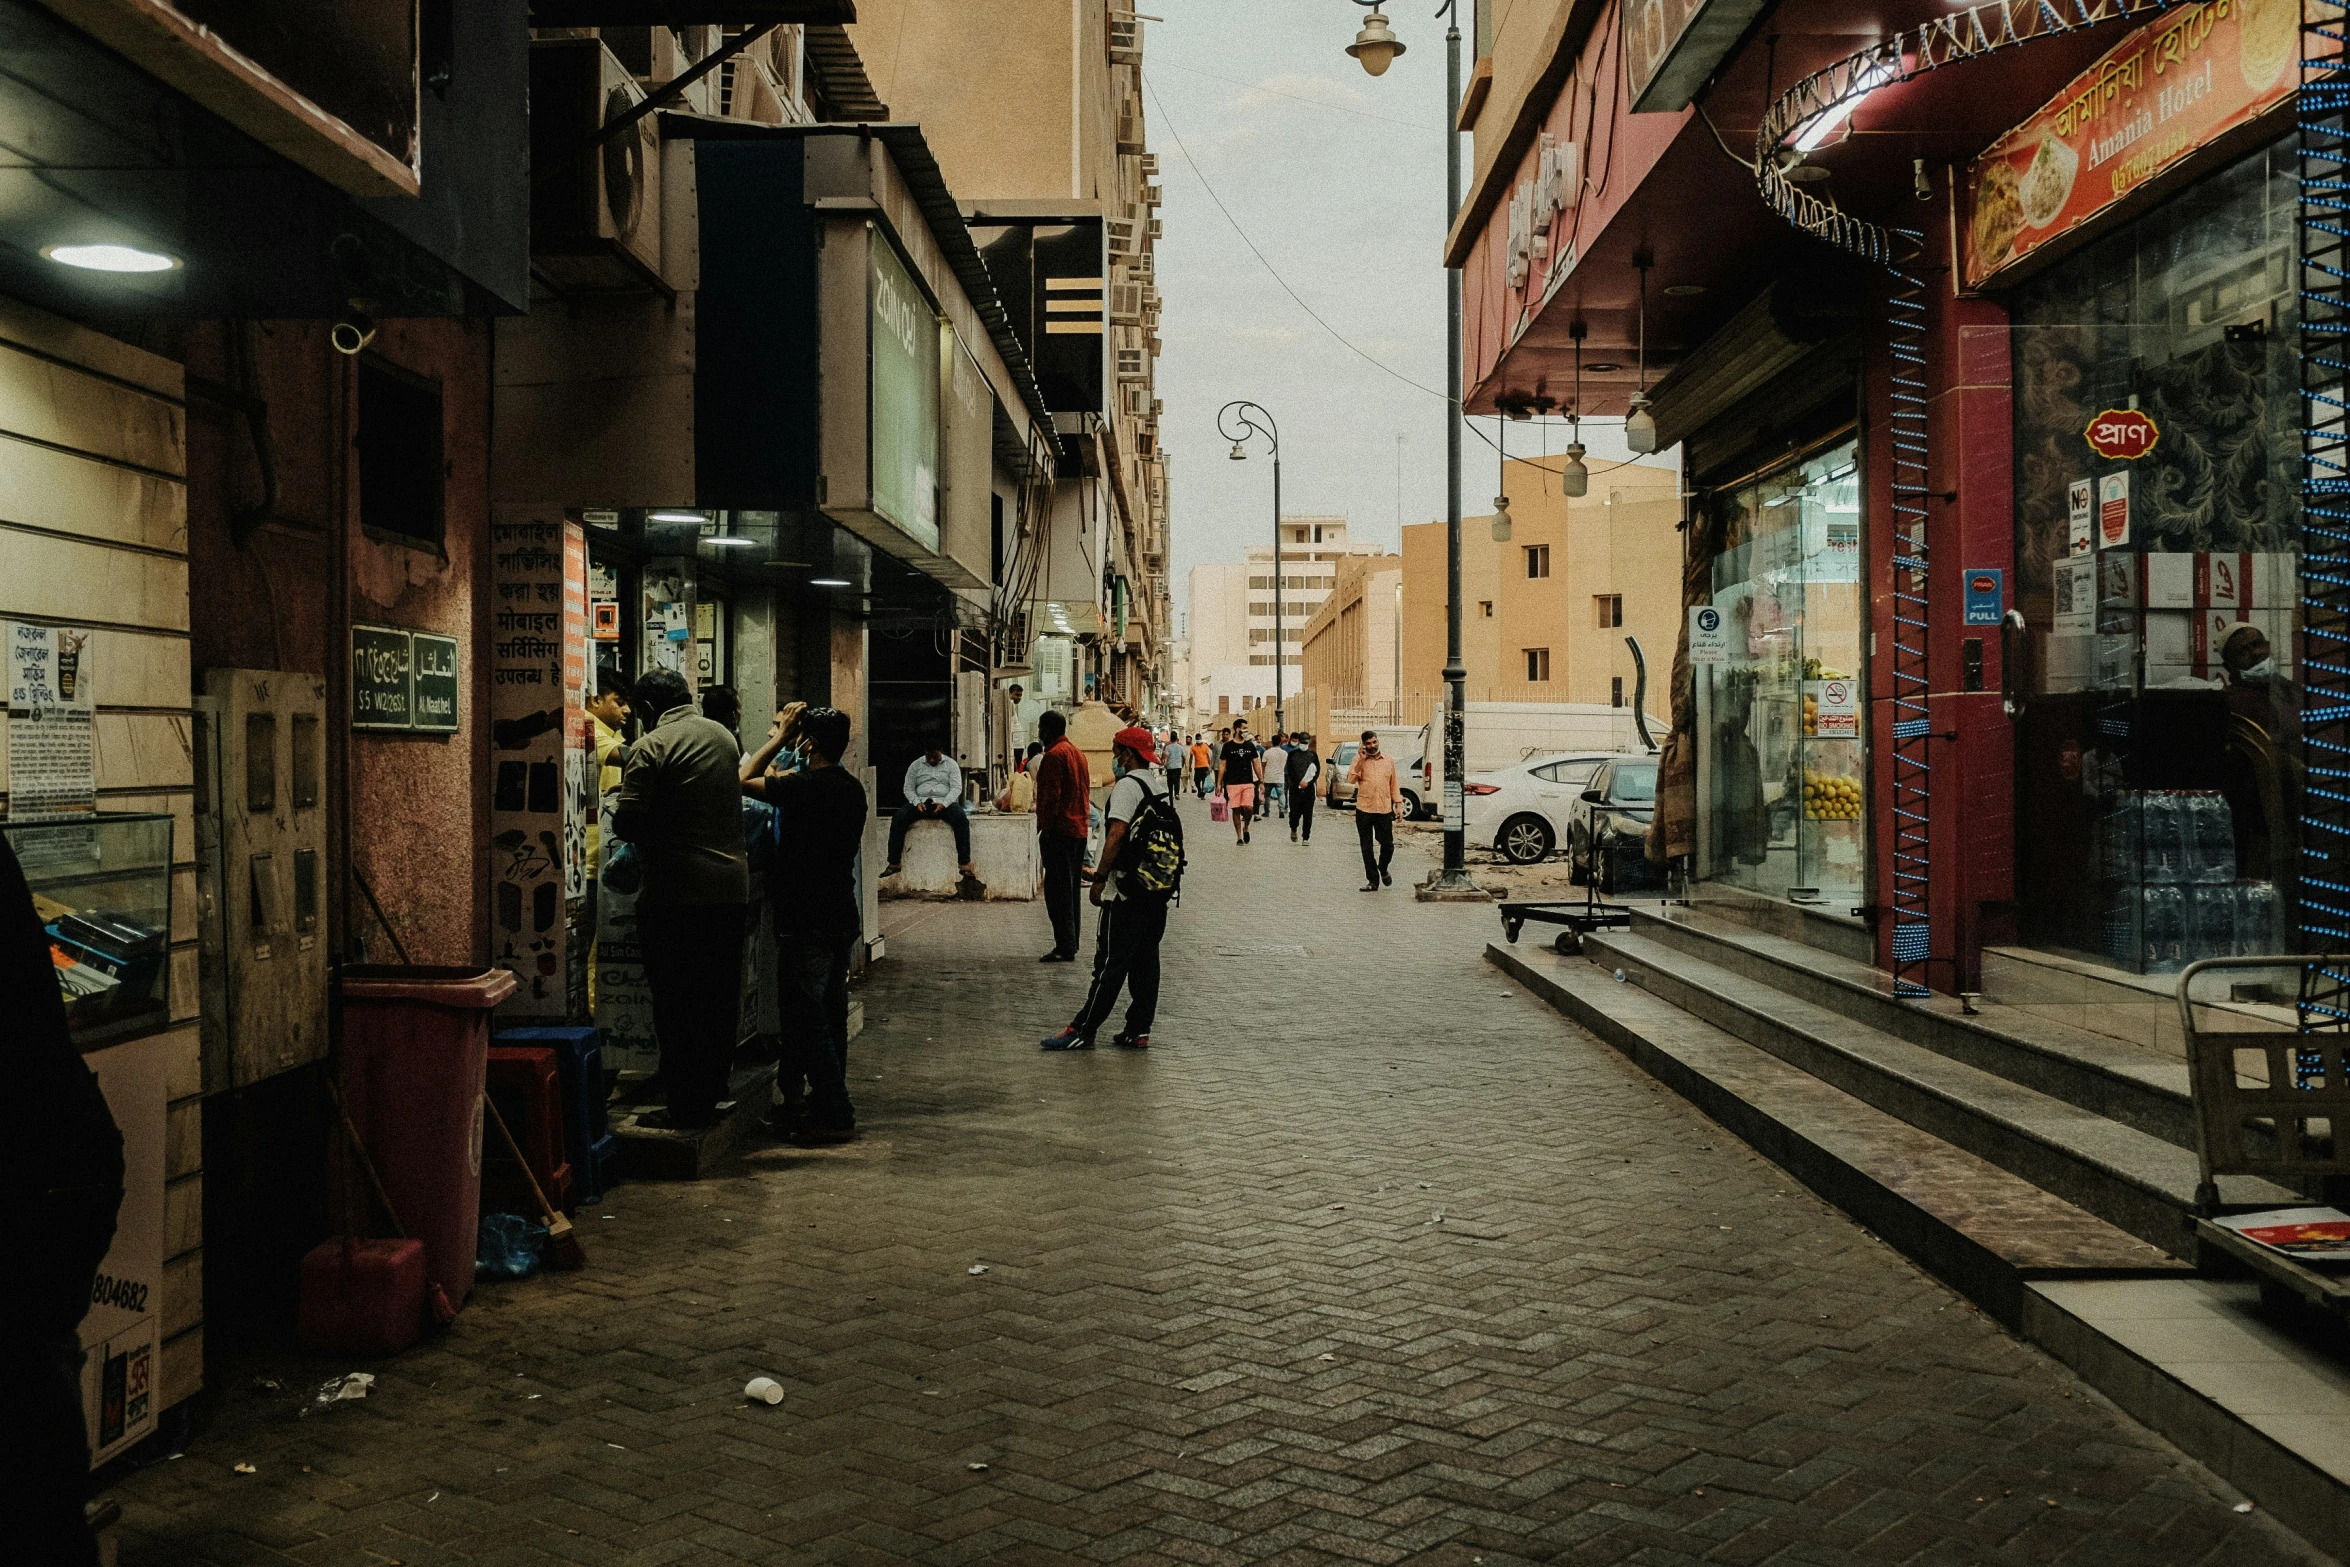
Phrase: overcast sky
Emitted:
{"points": [[1339, 179]]}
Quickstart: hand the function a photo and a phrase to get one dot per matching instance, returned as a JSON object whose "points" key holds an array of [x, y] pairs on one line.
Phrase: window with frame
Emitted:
{"points": [[1610, 610], [1537, 560], [1485, 608], [402, 474], [1537, 665]]}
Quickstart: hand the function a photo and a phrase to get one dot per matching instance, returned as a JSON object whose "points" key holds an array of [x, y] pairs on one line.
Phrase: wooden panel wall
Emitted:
{"points": [[93, 533]]}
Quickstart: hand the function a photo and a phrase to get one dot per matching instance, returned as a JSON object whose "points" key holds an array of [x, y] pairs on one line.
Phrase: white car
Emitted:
{"points": [[1525, 811]]}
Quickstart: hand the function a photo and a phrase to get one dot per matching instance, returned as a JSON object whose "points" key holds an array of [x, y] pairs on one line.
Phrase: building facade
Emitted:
{"points": [[1353, 655], [1247, 640]]}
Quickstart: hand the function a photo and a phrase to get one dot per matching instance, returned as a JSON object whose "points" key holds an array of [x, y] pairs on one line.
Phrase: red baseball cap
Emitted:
{"points": [[1139, 741]]}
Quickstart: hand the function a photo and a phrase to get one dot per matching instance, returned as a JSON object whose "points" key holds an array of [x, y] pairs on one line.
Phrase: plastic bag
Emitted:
{"points": [[623, 872], [1219, 809], [507, 1247]]}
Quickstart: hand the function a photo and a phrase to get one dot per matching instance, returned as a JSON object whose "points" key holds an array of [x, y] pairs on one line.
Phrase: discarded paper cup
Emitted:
{"points": [[765, 1389]]}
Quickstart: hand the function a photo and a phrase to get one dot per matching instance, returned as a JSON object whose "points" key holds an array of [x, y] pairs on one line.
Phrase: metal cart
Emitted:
{"points": [[2274, 1103]]}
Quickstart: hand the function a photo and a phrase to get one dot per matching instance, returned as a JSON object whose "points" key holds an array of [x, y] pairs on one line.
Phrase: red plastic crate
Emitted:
{"points": [[527, 1087]]}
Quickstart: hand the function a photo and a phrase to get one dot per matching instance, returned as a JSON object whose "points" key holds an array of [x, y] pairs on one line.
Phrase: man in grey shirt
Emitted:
{"points": [[679, 806]]}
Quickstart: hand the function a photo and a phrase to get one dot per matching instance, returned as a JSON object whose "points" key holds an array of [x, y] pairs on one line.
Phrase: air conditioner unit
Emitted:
{"points": [[1133, 357], [1124, 235], [1130, 128], [1154, 196], [1157, 229], [1150, 165], [1135, 398], [1126, 303], [1142, 267], [1125, 38], [596, 221]]}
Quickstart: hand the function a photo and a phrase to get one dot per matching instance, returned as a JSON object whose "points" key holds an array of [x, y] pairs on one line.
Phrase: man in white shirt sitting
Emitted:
{"points": [[934, 792]]}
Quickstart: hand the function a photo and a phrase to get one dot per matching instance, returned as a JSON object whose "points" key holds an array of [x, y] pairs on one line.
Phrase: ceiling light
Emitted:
{"points": [[730, 540], [675, 516], [1685, 290], [1831, 119], [1603, 367], [1575, 477], [828, 582], [1640, 426], [111, 258]]}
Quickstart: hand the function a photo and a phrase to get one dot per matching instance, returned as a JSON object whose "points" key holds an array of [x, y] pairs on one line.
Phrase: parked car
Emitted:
{"points": [[1608, 837], [1340, 795], [1527, 810], [1499, 735]]}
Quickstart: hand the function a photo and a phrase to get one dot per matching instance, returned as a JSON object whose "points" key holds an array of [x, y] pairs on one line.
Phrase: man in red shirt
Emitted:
{"points": [[1064, 820]]}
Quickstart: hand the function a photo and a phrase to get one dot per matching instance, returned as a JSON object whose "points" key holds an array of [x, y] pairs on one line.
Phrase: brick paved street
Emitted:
{"points": [[1374, 1259]]}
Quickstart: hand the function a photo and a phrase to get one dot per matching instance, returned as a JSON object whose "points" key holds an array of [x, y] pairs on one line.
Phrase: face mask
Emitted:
{"points": [[1118, 768], [2258, 673]]}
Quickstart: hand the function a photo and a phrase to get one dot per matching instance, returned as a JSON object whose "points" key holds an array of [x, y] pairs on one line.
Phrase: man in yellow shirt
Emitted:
{"points": [[608, 721], [1377, 802]]}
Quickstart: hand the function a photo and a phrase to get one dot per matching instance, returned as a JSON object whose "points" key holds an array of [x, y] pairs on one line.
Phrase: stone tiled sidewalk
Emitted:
{"points": [[1373, 1259]]}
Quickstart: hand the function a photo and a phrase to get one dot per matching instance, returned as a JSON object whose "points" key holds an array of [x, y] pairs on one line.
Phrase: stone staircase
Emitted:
{"points": [[2045, 1170]]}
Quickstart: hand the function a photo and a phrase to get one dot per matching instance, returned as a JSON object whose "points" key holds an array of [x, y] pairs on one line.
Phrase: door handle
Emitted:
{"points": [[2011, 642]]}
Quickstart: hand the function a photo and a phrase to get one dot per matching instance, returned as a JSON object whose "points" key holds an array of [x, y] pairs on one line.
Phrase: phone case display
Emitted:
{"points": [[102, 890]]}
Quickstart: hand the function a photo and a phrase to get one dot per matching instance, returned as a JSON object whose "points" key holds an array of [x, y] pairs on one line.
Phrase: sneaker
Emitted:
{"points": [[1132, 1041], [1066, 1039], [1370, 886], [1058, 957]]}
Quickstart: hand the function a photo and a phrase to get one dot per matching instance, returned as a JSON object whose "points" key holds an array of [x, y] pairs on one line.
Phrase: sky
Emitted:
{"points": [[1338, 178]]}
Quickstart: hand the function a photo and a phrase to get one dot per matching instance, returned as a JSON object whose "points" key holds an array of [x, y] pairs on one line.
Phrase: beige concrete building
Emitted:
{"points": [[1544, 616], [1353, 657], [1233, 614]]}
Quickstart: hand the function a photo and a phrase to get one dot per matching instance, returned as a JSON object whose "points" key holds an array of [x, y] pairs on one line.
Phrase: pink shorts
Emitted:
{"points": [[1241, 797]]}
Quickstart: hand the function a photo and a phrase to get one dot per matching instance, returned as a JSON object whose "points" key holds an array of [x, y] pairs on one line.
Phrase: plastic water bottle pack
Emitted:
{"points": [[2164, 924], [2168, 854], [2211, 837]]}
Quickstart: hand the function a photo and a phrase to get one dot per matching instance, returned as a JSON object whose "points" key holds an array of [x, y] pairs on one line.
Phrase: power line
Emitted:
{"points": [[1275, 92]]}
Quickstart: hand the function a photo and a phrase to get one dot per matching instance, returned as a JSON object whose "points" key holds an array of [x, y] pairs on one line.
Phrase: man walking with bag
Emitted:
{"points": [[1140, 872], [1064, 820], [1377, 801]]}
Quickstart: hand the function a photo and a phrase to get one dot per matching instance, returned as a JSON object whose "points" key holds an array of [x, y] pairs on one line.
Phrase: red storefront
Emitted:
{"points": [[2105, 239]]}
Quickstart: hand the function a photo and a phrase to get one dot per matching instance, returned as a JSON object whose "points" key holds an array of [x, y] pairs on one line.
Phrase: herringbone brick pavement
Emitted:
{"points": [[1372, 1259]]}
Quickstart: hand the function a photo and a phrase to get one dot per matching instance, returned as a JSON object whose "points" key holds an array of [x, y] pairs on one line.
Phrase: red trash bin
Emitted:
{"points": [[416, 1047]]}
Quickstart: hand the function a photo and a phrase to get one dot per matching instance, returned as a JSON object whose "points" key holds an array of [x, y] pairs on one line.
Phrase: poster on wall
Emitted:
{"points": [[668, 619], [2081, 496], [52, 721], [538, 821], [2113, 510], [122, 1334], [2183, 81]]}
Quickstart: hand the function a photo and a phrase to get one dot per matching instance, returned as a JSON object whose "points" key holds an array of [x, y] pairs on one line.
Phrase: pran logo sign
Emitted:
{"points": [[2122, 434]]}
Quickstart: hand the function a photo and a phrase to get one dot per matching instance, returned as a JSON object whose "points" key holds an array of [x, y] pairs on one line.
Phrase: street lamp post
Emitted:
{"points": [[1236, 421], [1376, 47]]}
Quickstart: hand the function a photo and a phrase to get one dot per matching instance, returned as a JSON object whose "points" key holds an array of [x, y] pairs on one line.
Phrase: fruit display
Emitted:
{"points": [[1828, 797], [1811, 714], [1813, 669]]}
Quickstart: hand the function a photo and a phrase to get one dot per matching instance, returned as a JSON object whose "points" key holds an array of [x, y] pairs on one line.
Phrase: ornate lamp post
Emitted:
{"points": [[1376, 48], [1236, 421]]}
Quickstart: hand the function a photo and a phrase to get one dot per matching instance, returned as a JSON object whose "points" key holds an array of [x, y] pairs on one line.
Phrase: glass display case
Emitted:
{"points": [[102, 889]]}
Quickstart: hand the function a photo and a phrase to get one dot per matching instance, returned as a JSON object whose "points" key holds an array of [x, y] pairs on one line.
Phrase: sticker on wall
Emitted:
{"points": [[2122, 434], [1709, 636], [1986, 598], [2113, 510], [2076, 598], [2083, 495], [1835, 708]]}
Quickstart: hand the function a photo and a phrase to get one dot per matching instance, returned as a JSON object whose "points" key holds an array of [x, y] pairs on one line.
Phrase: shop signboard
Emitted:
{"points": [[1985, 596], [538, 725], [52, 715], [1672, 46], [2182, 82], [383, 678], [2122, 434], [122, 1333], [904, 392], [433, 705], [1709, 635]]}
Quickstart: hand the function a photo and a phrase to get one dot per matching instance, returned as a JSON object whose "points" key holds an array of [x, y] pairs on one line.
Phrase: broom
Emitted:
{"points": [[444, 1311], [564, 1254]]}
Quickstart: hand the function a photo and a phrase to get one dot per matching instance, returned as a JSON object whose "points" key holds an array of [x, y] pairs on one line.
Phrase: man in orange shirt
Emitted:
{"points": [[1203, 764], [1377, 802]]}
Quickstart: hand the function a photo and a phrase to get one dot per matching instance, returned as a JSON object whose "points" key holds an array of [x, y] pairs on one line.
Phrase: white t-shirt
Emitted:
{"points": [[1276, 760], [1126, 800]]}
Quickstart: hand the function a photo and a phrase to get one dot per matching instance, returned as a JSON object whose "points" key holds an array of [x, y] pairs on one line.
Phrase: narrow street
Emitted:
{"points": [[1372, 1258]]}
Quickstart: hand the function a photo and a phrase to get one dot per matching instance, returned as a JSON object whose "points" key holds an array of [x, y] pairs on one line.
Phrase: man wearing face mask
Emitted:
{"points": [[2254, 688]]}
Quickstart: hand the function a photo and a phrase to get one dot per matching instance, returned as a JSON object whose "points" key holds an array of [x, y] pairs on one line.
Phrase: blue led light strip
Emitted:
{"points": [[1820, 99], [2323, 117]]}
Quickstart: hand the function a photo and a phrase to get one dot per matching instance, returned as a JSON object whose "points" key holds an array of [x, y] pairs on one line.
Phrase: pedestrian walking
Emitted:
{"points": [[934, 793], [812, 899], [1175, 755], [1203, 766], [679, 807], [1377, 802], [1064, 821], [1140, 871], [1301, 771], [1243, 769], [1276, 761]]}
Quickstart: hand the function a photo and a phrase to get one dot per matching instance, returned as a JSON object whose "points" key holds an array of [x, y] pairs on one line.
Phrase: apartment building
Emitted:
{"points": [[1245, 631], [1353, 655]]}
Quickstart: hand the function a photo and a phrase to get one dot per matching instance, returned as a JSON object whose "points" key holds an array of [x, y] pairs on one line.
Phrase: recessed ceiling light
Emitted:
{"points": [[1685, 290], [1603, 367], [730, 540], [111, 258], [828, 582], [675, 516]]}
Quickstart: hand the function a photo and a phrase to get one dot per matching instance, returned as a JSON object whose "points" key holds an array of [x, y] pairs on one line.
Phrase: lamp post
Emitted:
{"points": [[1236, 421], [1376, 48]]}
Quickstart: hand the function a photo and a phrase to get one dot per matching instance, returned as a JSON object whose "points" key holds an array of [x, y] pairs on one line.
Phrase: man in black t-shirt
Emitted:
{"points": [[811, 888], [1241, 768], [1302, 770]]}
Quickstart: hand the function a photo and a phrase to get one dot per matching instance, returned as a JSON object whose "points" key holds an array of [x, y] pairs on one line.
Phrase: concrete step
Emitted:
{"points": [[2129, 1178], [650, 1153], [1983, 1230], [2092, 1071]]}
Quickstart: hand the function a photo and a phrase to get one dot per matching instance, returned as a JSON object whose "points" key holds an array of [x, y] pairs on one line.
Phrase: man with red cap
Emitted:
{"points": [[1140, 870]]}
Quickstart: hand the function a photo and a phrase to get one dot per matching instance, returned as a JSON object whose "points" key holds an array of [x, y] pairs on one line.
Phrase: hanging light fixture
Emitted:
{"points": [[1501, 503], [1376, 46], [1575, 478], [1639, 425]]}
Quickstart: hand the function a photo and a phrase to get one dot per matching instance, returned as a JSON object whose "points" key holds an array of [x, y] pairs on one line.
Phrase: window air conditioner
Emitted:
{"points": [[596, 224]]}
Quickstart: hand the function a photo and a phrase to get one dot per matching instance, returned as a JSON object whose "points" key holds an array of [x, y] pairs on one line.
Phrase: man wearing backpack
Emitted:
{"points": [[1140, 871]]}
